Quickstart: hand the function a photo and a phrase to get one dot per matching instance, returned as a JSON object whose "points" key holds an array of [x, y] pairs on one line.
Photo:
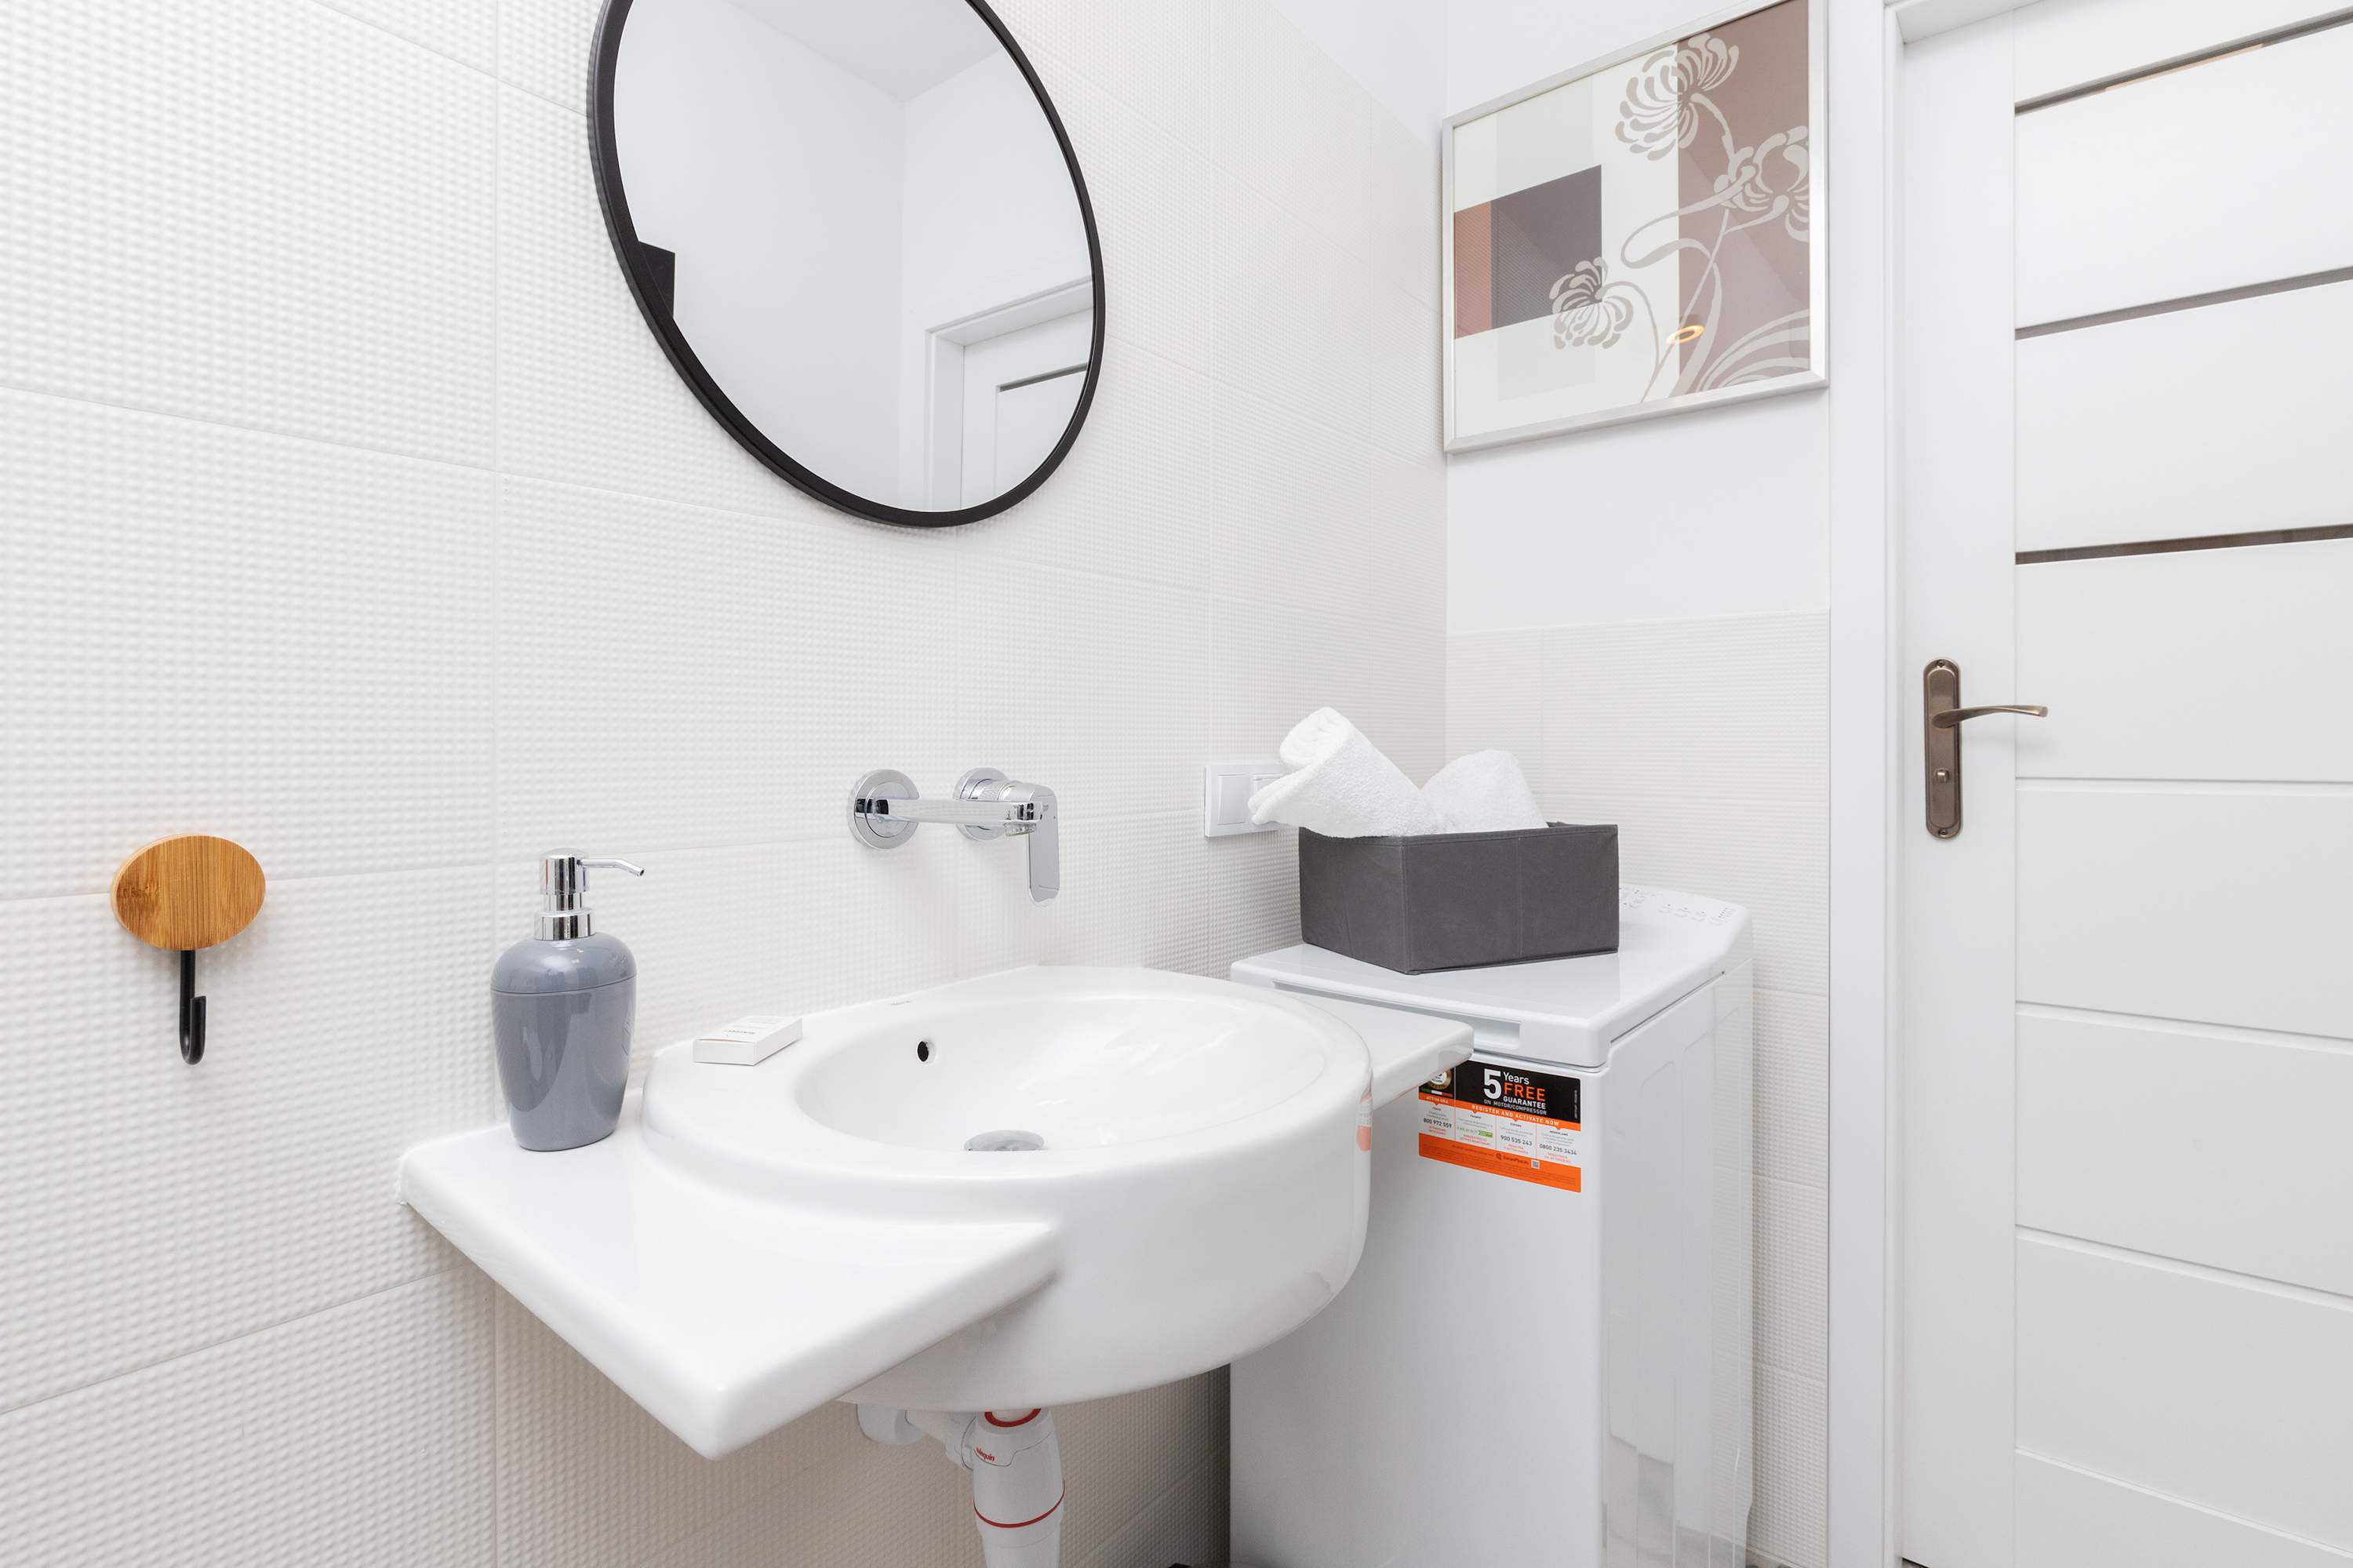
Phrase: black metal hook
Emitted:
{"points": [[192, 1011]]}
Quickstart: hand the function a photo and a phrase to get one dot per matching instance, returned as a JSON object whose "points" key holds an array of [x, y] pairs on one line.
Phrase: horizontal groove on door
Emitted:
{"points": [[2106, 1154], [2209, 423], [2165, 1263], [2180, 1026], [2171, 785], [2230, 1393], [2188, 185], [1041, 375], [2199, 541], [2089, 784], [2183, 62], [2253, 642], [2190, 303], [2069, 1516], [2137, 899]]}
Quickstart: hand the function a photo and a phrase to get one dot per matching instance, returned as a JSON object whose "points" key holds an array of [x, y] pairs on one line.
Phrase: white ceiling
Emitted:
{"points": [[903, 47]]}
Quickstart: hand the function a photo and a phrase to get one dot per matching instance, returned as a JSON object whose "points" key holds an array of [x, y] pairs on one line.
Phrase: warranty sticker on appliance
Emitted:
{"points": [[1506, 1121]]}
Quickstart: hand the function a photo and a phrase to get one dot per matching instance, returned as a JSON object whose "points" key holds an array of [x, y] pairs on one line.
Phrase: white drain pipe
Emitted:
{"points": [[1017, 1473]]}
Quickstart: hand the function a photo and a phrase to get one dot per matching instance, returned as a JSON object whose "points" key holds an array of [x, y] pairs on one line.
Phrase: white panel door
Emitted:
{"points": [[2127, 979], [2225, 176], [1020, 389], [2144, 428]]}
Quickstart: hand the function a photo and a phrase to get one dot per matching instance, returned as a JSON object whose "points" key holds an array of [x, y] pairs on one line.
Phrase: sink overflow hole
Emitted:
{"points": [[1008, 1141], [922, 1050]]}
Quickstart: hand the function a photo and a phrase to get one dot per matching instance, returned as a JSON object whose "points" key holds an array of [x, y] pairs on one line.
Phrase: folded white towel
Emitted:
{"points": [[1340, 785], [1483, 792]]}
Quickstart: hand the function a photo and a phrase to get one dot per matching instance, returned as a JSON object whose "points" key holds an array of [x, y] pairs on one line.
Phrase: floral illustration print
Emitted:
{"points": [[1660, 114], [1671, 100], [1771, 179], [1589, 310]]}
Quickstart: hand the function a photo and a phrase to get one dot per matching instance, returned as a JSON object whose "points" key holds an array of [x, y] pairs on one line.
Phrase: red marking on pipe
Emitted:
{"points": [[1026, 1523], [993, 1421]]}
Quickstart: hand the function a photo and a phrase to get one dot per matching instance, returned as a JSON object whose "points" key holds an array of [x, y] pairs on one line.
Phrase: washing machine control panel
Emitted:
{"points": [[1652, 903]]}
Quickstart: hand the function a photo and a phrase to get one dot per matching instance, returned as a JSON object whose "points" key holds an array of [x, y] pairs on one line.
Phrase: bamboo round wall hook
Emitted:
{"points": [[184, 893]]}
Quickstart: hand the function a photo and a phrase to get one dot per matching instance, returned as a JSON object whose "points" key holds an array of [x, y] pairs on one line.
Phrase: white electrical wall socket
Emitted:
{"points": [[1226, 789], [748, 1042]]}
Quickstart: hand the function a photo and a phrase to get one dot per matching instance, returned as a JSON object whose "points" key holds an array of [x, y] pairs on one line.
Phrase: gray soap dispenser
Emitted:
{"points": [[563, 1002]]}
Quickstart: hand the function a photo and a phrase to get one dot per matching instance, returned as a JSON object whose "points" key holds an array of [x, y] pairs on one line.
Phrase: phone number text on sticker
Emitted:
{"points": [[1506, 1121]]}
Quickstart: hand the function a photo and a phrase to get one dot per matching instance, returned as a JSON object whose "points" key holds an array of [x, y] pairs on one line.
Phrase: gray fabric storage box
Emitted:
{"points": [[1456, 901]]}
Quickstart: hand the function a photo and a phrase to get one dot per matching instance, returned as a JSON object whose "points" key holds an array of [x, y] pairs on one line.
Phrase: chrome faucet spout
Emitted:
{"points": [[885, 809], [1007, 814]]}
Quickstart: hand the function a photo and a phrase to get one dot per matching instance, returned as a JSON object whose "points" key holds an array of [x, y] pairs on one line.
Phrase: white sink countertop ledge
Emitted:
{"points": [[727, 1314]]}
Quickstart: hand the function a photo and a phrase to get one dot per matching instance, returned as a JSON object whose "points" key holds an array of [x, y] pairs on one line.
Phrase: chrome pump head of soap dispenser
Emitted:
{"points": [[563, 912]]}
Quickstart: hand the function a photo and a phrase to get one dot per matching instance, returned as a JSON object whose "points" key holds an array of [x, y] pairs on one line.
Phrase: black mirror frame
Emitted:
{"points": [[649, 270]]}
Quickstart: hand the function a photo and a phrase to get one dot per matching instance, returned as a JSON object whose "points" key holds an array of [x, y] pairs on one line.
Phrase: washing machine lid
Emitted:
{"points": [[1567, 1011]]}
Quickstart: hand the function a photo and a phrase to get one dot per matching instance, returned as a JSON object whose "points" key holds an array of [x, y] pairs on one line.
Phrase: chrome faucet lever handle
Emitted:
{"points": [[1032, 815], [1045, 835]]}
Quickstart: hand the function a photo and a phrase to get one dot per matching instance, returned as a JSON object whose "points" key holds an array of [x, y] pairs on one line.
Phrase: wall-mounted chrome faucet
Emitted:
{"points": [[885, 809]]}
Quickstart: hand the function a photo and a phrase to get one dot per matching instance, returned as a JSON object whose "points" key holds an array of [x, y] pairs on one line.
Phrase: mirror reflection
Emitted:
{"points": [[860, 236]]}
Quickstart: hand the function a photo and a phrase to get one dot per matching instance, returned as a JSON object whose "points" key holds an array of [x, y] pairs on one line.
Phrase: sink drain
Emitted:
{"points": [[1006, 1141]]}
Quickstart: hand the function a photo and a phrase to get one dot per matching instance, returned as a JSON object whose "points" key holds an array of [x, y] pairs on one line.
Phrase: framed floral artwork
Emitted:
{"points": [[1636, 236]]}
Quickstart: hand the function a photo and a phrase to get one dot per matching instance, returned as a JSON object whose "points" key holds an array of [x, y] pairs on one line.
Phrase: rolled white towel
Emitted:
{"points": [[1483, 792], [1340, 785]]}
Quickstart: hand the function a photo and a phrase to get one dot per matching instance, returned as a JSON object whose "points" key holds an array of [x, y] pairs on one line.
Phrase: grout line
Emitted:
{"points": [[806, 511], [1038, 46], [1303, 415], [816, 515], [440, 54], [490, 892], [1545, 628], [1388, 625], [1350, 261], [1346, 257], [405, 868], [402, 868], [1306, 416], [577, 110], [394, 454], [490, 1399], [270, 1327], [1216, 1456]]}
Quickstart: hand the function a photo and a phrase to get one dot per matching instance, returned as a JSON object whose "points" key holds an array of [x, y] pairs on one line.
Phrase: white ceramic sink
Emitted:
{"points": [[755, 1241], [1198, 1162]]}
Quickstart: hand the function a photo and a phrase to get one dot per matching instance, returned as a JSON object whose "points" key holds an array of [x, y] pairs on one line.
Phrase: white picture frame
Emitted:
{"points": [[1812, 376]]}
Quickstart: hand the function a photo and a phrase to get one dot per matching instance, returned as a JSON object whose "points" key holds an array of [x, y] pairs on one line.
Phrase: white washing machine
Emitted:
{"points": [[1544, 1359]]}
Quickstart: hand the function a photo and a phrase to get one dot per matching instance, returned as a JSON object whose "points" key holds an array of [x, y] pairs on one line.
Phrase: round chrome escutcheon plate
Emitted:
{"points": [[881, 832]]}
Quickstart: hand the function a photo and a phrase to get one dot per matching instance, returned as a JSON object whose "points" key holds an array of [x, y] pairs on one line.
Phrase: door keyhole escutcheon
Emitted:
{"points": [[1941, 718]]}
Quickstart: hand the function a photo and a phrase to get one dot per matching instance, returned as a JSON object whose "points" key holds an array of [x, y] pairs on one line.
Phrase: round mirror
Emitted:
{"points": [[862, 235]]}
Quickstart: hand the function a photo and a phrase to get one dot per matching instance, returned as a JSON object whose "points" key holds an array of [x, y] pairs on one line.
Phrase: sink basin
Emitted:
{"points": [[1046, 1185], [1192, 1145], [1097, 1061]]}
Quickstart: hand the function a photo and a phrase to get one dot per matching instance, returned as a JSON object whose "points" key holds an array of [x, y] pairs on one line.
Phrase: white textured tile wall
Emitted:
{"points": [[1707, 742], [352, 511]]}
